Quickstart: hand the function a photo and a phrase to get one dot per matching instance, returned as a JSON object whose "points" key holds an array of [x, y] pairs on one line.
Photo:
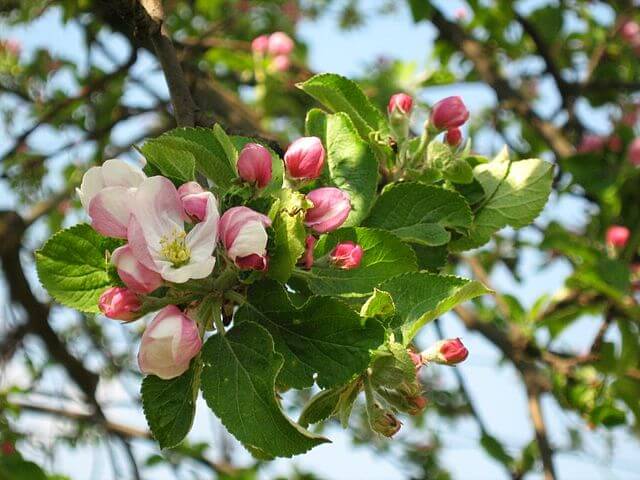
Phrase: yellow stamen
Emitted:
{"points": [[174, 248]]}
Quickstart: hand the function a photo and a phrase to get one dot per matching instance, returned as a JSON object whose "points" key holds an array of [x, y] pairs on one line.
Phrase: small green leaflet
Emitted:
{"points": [[238, 384], [73, 267], [170, 405], [420, 297], [351, 162], [323, 338], [173, 157], [385, 256], [515, 194]]}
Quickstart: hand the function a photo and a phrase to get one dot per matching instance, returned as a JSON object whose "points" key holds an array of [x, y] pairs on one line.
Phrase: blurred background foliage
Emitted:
{"points": [[560, 73]]}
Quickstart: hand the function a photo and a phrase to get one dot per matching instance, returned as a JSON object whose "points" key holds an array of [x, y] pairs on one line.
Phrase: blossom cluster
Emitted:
{"points": [[172, 234], [277, 47]]}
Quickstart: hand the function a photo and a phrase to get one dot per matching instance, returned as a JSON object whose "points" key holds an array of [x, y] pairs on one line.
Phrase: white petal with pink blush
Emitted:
{"points": [[158, 236]]}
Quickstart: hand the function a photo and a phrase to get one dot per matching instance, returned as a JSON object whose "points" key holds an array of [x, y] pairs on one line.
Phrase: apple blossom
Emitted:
{"points": [[331, 207], [254, 164], [591, 143], [134, 274], [617, 236], [449, 113], [346, 255], [305, 158], [280, 44], [194, 200], [446, 352], [168, 344], [260, 44], [107, 193], [158, 237], [243, 235], [120, 304], [400, 102]]}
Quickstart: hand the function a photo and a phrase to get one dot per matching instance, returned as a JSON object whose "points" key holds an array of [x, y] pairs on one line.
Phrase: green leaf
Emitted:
{"points": [[385, 256], [322, 406], [515, 194], [238, 384], [171, 157], [420, 297], [213, 158], [419, 213], [170, 405], [324, 338], [339, 94], [351, 162], [379, 305], [73, 267], [289, 235]]}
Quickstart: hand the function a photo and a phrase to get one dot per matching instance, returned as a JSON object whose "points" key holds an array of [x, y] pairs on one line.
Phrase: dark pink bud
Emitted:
{"points": [[7, 448], [280, 44], [307, 259], [400, 102], [617, 236], [260, 44], [634, 152], [447, 352], [591, 143], [194, 200], [453, 137], [347, 255], [305, 158], [449, 113], [254, 164], [253, 262], [120, 304], [331, 207]]}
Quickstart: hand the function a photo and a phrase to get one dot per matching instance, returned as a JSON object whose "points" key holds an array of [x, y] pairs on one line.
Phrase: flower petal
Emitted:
{"points": [[110, 211]]}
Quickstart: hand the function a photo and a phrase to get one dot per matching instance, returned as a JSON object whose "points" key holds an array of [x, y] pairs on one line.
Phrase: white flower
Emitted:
{"points": [[158, 237]]}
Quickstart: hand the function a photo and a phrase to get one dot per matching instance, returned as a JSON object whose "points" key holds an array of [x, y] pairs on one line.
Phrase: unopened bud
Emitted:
{"points": [[446, 352]]}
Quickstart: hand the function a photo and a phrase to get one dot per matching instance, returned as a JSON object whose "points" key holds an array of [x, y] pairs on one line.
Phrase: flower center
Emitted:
{"points": [[174, 248]]}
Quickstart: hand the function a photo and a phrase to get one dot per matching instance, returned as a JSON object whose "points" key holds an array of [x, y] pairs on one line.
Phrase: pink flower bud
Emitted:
{"points": [[168, 344], [446, 352], [254, 164], [417, 404], [307, 258], [243, 234], [331, 207], [449, 113], [630, 31], [305, 158], [591, 143], [120, 304], [260, 44], [400, 102], [347, 255], [416, 358], [617, 236], [134, 274], [453, 137], [7, 448], [280, 44], [194, 200], [281, 63], [634, 152]]}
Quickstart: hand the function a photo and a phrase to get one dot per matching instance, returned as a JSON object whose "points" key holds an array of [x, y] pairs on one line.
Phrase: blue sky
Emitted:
{"points": [[496, 389]]}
